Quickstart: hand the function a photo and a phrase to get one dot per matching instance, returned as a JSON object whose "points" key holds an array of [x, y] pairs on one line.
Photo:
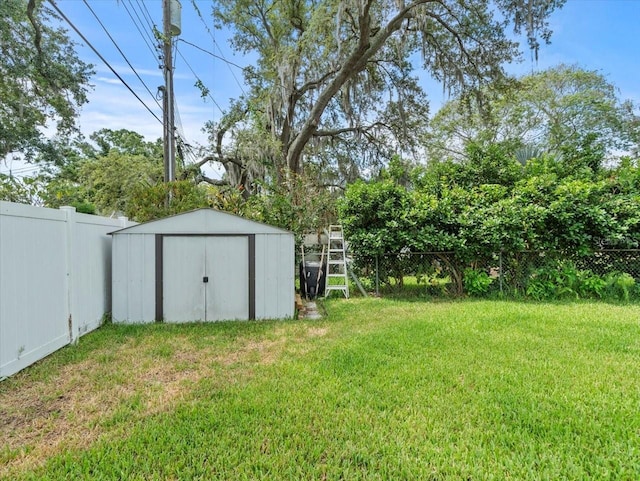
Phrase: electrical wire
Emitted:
{"points": [[20, 170], [188, 152], [148, 39], [221, 57], [228, 62], [64, 17], [143, 8], [178, 121], [279, 85], [121, 52], [199, 80]]}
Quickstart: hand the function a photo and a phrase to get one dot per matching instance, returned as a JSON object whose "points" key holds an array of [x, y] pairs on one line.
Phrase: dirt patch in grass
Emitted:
{"points": [[263, 352], [72, 408], [317, 331]]}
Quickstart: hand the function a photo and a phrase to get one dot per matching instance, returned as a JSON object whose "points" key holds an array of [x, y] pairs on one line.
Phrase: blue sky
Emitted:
{"points": [[594, 34]]}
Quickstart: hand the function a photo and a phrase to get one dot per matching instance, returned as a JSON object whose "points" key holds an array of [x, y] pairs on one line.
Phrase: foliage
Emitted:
{"points": [[436, 283], [559, 110], [123, 141], [24, 190], [532, 209], [42, 190], [334, 84], [112, 179], [562, 279], [59, 190], [554, 281], [620, 285], [148, 202], [373, 217], [475, 210], [476, 282], [42, 81], [300, 207]]}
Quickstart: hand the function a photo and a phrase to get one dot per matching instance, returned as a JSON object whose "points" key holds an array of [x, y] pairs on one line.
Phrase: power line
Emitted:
{"points": [[229, 62], [143, 8], [53, 4], [178, 121], [121, 52], [215, 43], [278, 84], [148, 39], [199, 80], [20, 170]]}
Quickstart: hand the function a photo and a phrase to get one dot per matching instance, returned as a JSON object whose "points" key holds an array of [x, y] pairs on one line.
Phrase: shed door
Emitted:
{"points": [[205, 278]]}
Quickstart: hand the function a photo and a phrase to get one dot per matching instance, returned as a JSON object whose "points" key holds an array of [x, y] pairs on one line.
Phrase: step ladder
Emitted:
{"points": [[336, 277]]}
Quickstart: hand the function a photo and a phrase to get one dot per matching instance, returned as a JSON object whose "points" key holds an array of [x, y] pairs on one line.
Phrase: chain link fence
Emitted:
{"points": [[605, 274]]}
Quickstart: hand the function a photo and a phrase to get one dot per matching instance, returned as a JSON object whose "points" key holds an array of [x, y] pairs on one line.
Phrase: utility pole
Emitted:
{"points": [[170, 27]]}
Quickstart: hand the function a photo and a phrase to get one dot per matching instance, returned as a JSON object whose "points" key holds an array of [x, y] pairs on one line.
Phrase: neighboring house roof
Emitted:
{"points": [[202, 221]]}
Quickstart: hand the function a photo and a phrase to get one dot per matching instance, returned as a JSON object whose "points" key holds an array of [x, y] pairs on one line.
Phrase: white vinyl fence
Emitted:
{"points": [[55, 279]]}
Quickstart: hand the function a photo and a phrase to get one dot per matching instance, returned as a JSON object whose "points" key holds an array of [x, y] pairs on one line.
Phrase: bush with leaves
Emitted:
{"points": [[149, 202], [477, 282], [375, 218], [621, 286]]}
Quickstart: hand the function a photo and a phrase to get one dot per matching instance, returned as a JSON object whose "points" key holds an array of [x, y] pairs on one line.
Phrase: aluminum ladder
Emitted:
{"points": [[336, 277]]}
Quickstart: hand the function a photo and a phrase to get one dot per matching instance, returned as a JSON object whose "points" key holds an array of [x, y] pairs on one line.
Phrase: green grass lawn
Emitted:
{"points": [[379, 389]]}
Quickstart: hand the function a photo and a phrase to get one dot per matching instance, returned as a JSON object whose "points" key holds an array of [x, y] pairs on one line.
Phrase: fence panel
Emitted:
{"points": [[34, 313], [55, 277], [611, 274], [91, 277]]}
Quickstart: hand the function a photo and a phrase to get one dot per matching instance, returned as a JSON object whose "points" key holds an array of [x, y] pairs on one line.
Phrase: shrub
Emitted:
{"points": [[553, 281], [476, 282], [590, 284], [620, 285]]}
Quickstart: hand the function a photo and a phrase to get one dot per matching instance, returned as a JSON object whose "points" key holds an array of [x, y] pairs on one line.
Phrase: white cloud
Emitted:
{"points": [[108, 80]]}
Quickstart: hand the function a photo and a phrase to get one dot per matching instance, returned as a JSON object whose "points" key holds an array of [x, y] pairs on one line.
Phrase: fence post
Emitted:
{"points": [[70, 219], [377, 279], [500, 267]]}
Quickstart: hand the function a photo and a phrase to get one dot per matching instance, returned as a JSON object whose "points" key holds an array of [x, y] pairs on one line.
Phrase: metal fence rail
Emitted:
{"points": [[525, 274]]}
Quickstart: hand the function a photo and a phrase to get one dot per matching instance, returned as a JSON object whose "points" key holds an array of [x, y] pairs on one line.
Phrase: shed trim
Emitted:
{"points": [[159, 261], [134, 228], [159, 255], [252, 276]]}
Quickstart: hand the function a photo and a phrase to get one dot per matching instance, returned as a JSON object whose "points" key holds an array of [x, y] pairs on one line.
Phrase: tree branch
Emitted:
{"points": [[215, 182], [223, 160], [355, 62], [36, 27], [358, 129], [313, 84]]}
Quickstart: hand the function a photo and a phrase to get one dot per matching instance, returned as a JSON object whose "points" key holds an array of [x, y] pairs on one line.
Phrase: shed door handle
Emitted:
{"points": [[205, 279]]}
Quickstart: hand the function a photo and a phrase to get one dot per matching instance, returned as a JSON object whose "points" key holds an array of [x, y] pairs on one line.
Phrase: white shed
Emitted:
{"points": [[204, 265]]}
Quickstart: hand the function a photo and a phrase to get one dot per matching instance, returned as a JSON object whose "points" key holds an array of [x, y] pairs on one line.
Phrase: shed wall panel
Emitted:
{"points": [[184, 266], [119, 271], [134, 278], [274, 276]]}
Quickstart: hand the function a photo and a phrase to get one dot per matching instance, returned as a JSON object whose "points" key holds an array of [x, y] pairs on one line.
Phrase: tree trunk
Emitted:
{"points": [[367, 47]]}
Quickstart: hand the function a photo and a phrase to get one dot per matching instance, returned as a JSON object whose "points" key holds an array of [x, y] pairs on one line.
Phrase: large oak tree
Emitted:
{"points": [[42, 80], [334, 83]]}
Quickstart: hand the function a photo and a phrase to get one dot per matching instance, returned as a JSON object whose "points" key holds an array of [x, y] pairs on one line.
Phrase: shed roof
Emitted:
{"points": [[202, 221]]}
